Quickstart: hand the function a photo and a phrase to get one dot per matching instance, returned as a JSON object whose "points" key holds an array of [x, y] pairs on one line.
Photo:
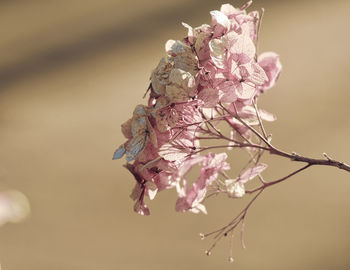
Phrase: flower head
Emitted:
{"points": [[210, 77]]}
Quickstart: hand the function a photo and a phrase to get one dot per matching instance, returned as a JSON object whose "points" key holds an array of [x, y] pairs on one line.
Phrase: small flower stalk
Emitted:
{"points": [[211, 79]]}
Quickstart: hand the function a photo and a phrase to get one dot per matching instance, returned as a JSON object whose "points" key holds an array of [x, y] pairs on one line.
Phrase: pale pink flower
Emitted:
{"points": [[235, 187], [271, 64], [209, 97], [143, 187], [166, 115], [220, 23], [234, 57], [213, 65], [248, 113], [190, 198]]}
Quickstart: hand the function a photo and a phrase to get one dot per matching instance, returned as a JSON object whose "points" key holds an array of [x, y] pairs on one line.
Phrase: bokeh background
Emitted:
{"points": [[72, 71]]}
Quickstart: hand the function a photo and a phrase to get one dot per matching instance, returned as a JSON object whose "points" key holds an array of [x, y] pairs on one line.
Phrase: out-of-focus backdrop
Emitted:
{"points": [[72, 71]]}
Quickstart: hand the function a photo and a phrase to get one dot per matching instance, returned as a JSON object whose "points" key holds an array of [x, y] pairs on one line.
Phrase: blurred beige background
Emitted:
{"points": [[72, 71]]}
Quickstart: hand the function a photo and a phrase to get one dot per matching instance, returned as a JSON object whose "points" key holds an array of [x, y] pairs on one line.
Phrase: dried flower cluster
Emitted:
{"points": [[211, 76]]}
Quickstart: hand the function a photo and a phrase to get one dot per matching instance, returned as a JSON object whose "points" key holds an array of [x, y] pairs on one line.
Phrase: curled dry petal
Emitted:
{"points": [[160, 76], [182, 56], [218, 52], [219, 18], [191, 198], [229, 10], [141, 208], [220, 23], [235, 189], [190, 33], [271, 64], [251, 173]]}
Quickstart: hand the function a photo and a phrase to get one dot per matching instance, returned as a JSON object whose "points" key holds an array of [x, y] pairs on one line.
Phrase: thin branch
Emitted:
{"points": [[242, 145], [246, 125], [267, 184], [311, 161]]}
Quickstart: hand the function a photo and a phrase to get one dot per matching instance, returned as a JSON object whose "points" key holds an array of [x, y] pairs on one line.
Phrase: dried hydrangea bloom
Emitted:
{"points": [[215, 65], [210, 79]]}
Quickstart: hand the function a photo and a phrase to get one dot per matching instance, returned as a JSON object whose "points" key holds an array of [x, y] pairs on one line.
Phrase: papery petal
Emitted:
{"points": [[151, 189], [148, 153], [203, 37], [243, 50], [151, 133], [136, 192], [267, 116], [190, 33], [209, 113], [172, 153], [199, 208], [119, 152], [218, 52], [252, 172], [220, 19], [160, 76], [169, 45], [166, 118], [235, 188], [256, 75], [177, 94], [248, 112], [227, 92], [141, 208], [209, 97], [182, 78], [126, 129], [188, 164], [135, 146], [220, 23], [271, 64], [228, 10], [245, 90], [140, 111], [182, 56]]}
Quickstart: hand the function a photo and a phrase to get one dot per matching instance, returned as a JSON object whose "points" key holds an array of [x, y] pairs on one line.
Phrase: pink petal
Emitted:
{"points": [[209, 97], [252, 172], [270, 62]]}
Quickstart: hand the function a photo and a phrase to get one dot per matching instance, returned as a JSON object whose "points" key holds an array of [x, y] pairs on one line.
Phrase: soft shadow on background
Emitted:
{"points": [[72, 71]]}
